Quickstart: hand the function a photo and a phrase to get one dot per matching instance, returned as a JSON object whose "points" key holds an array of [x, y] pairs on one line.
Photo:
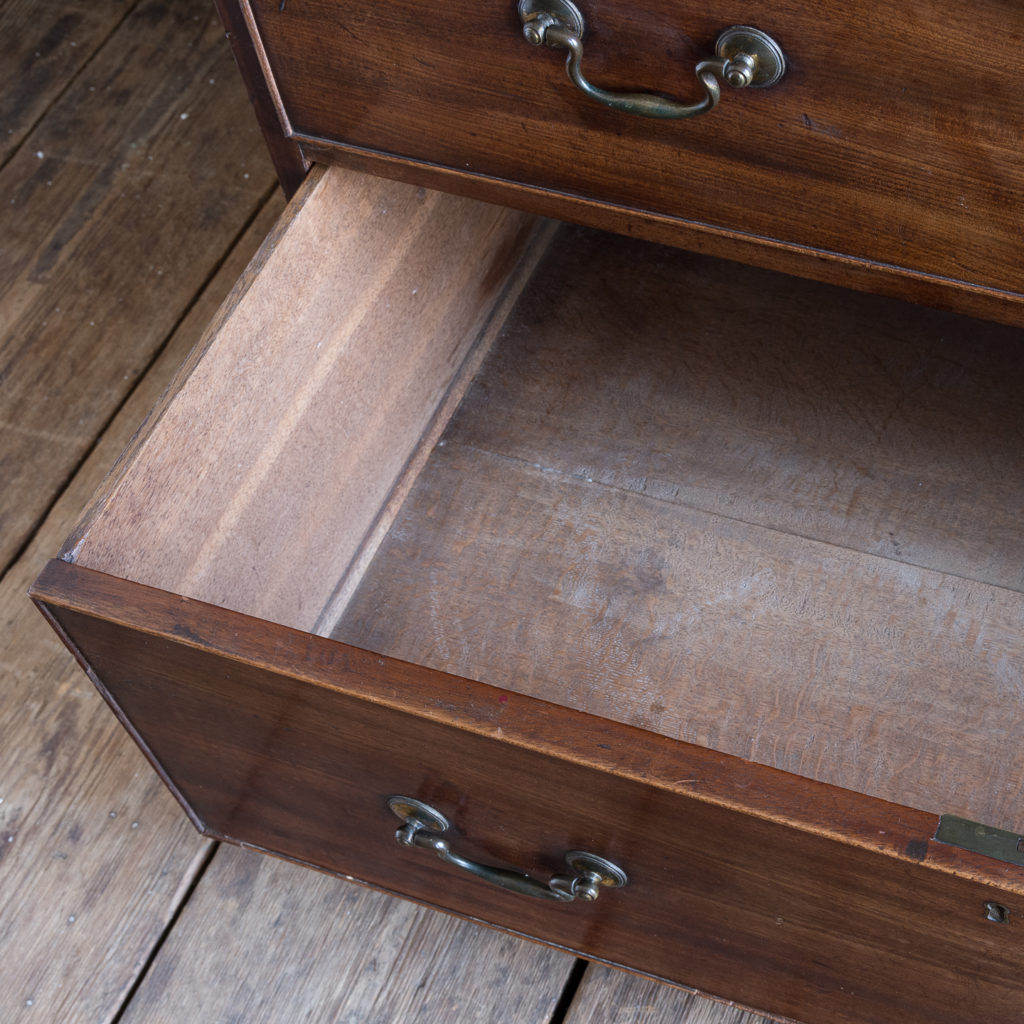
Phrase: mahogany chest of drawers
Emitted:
{"points": [[674, 602]]}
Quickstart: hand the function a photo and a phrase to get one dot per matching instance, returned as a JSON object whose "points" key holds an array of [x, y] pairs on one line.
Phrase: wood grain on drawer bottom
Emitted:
{"points": [[736, 509], [781, 893]]}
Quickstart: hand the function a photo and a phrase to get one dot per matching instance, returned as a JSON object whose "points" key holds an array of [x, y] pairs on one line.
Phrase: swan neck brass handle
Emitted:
{"points": [[744, 57], [424, 826]]}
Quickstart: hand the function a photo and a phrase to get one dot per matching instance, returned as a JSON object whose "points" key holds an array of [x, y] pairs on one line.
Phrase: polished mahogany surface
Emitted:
{"points": [[892, 140], [777, 892]]}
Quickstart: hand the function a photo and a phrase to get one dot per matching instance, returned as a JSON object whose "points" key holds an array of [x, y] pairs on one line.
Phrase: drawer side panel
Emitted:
{"points": [[338, 356]]}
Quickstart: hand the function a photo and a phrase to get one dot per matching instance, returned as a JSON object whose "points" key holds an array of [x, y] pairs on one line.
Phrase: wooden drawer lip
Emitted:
{"points": [[751, 866], [726, 781]]}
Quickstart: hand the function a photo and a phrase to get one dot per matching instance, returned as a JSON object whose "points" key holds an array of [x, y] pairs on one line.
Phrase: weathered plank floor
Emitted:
{"points": [[134, 188]]}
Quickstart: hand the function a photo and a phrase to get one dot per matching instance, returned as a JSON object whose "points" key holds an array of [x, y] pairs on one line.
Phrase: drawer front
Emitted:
{"points": [[893, 138], [779, 893]]}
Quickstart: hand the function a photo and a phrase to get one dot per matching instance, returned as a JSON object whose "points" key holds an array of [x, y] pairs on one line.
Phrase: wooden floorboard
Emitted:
{"points": [[265, 940], [46, 43], [115, 209], [95, 855], [608, 996], [134, 188]]}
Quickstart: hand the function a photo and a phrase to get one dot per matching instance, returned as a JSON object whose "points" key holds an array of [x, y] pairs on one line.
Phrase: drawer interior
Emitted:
{"points": [[760, 514]]}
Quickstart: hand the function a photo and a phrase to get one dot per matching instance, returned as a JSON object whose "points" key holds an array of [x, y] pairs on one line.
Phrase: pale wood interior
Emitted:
{"points": [[741, 510], [746, 511], [266, 475]]}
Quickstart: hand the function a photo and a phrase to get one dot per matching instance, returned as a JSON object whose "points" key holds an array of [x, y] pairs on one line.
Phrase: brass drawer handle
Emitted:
{"points": [[424, 825], [743, 57]]}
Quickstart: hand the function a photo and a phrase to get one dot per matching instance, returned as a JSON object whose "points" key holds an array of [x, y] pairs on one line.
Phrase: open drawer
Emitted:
{"points": [[591, 545]]}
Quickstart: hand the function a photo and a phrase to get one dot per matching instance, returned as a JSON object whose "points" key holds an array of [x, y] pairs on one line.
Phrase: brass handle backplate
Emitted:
{"points": [[744, 57], [424, 827]]}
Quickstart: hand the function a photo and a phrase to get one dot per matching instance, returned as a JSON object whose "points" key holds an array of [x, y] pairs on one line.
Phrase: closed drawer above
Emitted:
{"points": [[887, 157], [591, 545]]}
